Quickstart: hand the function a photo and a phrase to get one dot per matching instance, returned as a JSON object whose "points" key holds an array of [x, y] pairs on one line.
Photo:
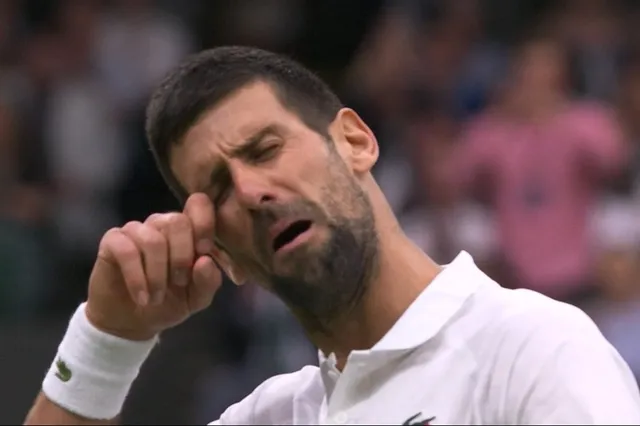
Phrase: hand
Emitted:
{"points": [[151, 276]]}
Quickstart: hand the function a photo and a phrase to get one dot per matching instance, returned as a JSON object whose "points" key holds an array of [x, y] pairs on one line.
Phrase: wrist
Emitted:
{"points": [[130, 334], [93, 371]]}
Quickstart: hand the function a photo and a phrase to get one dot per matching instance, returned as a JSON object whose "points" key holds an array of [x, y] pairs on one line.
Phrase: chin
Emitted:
{"points": [[294, 263]]}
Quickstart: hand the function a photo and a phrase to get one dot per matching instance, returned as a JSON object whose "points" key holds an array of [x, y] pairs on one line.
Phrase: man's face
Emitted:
{"points": [[290, 213]]}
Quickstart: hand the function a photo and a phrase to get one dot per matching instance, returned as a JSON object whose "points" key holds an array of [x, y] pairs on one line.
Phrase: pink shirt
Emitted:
{"points": [[543, 177]]}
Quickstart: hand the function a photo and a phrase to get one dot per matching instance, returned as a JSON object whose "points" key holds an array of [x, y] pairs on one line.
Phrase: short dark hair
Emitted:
{"points": [[206, 78]]}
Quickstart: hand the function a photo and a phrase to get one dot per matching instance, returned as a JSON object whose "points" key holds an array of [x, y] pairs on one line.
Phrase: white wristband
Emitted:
{"points": [[93, 371]]}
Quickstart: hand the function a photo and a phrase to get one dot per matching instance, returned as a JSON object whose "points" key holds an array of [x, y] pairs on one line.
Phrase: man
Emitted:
{"points": [[276, 175], [542, 157]]}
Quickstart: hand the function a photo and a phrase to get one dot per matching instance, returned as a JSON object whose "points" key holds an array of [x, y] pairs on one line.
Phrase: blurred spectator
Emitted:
{"points": [[437, 221], [136, 45], [629, 111], [24, 265], [592, 29], [272, 24], [457, 63], [545, 157], [79, 124], [30, 82], [9, 28], [434, 48], [379, 74]]}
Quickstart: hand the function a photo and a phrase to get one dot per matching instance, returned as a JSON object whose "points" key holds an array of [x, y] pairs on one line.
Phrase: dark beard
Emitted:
{"points": [[330, 281]]}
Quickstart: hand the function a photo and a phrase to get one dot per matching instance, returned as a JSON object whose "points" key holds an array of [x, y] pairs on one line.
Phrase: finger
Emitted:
{"points": [[201, 213], [154, 249], [207, 279], [156, 218], [177, 229], [116, 248]]}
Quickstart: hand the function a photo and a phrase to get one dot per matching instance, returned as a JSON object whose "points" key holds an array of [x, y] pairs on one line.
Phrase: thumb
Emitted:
{"points": [[206, 281]]}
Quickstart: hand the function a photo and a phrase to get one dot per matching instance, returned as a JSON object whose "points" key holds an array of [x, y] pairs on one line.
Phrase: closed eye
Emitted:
{"points": [[223, 181], [265, 154]]}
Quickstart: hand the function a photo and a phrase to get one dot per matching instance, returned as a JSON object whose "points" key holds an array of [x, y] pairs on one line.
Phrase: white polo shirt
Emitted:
{"points": [[465, 352]]}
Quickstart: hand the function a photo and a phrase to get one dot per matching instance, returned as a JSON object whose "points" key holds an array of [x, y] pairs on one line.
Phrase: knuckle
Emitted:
{"points": [[132, 224], [178, 222], [127, 251], [151, 238], [131, 227], [154, 218], [111, 235], [108, 243], [112, 239], [170, 222], [117, 245]]}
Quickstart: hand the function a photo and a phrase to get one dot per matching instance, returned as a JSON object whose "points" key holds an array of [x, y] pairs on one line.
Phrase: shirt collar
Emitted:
{"points": [[431, 310]]}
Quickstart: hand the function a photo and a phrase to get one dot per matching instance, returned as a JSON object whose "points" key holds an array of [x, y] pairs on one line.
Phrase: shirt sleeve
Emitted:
{"points": [[567, 373], [600, 141]]}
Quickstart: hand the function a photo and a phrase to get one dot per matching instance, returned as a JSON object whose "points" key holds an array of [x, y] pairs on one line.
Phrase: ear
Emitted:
{"points": [[355, 141], [229, 267]]}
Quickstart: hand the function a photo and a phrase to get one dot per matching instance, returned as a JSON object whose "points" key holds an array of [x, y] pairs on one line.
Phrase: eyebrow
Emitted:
{"points": [[251, 143]]}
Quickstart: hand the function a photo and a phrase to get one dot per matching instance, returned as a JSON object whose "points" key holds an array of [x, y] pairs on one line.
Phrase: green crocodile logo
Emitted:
{"points": [[63, 373]]}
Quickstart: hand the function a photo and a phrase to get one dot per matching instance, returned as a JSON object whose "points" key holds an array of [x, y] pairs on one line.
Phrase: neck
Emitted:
{"points": [[404, 271]]}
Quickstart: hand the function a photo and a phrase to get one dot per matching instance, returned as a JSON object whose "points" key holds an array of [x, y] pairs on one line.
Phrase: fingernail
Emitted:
{"points": [[143, 298]]}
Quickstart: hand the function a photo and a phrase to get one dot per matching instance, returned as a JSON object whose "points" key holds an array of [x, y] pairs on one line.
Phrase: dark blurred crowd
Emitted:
{"points": [[508, 128]]}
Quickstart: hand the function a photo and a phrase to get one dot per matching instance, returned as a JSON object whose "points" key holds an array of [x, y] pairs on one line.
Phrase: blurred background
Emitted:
{"points": [[508, 128]]}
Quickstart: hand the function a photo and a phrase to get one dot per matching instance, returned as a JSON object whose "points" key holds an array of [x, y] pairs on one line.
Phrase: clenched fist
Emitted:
{"points": [[152, 276]]}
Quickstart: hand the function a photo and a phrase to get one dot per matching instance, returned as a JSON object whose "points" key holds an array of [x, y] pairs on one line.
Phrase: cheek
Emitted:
{"points": [[302, 175], [232, 228], [303, 161]]}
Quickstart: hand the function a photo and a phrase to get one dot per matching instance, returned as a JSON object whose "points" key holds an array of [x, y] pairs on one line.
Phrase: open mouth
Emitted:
{"points": [[290, 233]]}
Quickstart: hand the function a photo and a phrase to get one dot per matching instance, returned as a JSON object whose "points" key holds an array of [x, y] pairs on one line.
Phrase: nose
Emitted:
{"points": [[252, 188]]}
